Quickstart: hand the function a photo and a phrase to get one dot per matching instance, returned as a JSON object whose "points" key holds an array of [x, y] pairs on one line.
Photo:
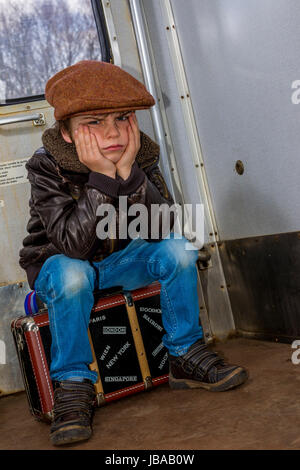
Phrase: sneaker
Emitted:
{"points": [[73, 410], [202, 368]]}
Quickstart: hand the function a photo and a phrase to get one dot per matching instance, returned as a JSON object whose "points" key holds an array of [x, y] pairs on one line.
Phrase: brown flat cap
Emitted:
{"points": [[91, 87]]}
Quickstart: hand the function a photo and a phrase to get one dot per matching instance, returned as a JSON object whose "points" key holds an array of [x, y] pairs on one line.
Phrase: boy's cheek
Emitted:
{"points": [[97, 137]]}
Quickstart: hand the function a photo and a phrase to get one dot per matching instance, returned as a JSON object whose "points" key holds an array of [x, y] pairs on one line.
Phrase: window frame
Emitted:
{"points": [[105, 48]]}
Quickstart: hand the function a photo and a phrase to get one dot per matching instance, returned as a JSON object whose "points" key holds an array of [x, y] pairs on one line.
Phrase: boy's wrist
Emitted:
{"points": [[124, 173], [133, 181], [105, 183], [111, 174]]}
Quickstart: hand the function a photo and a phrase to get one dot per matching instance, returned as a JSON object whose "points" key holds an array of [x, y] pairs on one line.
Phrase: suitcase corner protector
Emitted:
{"points": [[28, 324], [148, 383], [100, 399]]}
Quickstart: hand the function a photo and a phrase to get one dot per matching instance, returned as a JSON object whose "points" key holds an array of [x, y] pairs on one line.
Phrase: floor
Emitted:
{"points": [[264, 413]]}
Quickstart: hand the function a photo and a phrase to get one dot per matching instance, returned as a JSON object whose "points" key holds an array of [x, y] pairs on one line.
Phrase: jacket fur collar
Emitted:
{"points": [[66, 155]]}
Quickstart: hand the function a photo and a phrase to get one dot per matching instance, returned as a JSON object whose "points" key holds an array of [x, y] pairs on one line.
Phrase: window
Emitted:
{"points": [[40, 37]]}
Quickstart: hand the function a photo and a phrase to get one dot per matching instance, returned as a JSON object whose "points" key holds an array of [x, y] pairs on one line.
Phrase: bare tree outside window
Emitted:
{"points": [[39, 38]]}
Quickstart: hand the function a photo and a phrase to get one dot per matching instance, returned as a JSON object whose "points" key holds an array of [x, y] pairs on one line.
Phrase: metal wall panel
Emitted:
{"points": [[263, 280], [17, 141], [171, 98], [11, 306], [241, 58], [213, 284]]}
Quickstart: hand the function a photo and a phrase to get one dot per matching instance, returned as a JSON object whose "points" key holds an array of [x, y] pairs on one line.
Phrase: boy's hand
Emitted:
{"points": [[125, 163], [89, 153]]}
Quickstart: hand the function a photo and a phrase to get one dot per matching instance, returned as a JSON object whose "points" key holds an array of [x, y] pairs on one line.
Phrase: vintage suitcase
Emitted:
{"points": [[125, 333]]}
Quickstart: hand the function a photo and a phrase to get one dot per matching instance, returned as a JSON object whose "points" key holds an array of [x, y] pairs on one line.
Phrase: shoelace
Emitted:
{"points": [[73, 399]]}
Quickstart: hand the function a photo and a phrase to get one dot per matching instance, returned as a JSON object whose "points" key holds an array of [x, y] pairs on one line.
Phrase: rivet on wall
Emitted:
{"points": [[239, 167]]}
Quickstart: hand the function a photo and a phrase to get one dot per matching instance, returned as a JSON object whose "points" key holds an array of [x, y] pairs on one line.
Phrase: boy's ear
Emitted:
{"points": [[65, 135]]}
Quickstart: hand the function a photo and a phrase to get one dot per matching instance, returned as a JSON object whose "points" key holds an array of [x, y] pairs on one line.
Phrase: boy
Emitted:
{"points": [[94, 155]]}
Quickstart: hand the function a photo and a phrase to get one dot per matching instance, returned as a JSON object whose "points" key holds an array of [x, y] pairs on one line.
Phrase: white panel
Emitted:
{"points": [[17, 144], [129, 54], [241, 58], [171, 97], [212, 280]]}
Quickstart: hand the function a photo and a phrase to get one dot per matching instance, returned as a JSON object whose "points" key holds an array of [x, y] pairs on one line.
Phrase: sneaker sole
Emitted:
{"points": [[236, 378], [70, 435]]}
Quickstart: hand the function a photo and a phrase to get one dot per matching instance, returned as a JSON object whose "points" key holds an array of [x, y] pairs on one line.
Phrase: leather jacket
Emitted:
{"points": [[65, 196]]}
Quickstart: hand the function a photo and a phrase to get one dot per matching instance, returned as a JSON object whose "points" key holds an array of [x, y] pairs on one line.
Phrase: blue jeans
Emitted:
{"points": [[66, 285]]}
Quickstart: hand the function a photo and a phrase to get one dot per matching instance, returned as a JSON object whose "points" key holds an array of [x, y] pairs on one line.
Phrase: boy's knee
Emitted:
{"points": [[75, 281], [68, 276]]}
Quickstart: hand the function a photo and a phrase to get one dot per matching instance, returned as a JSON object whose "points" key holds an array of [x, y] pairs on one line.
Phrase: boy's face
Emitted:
{"points": [[110, 130]]}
